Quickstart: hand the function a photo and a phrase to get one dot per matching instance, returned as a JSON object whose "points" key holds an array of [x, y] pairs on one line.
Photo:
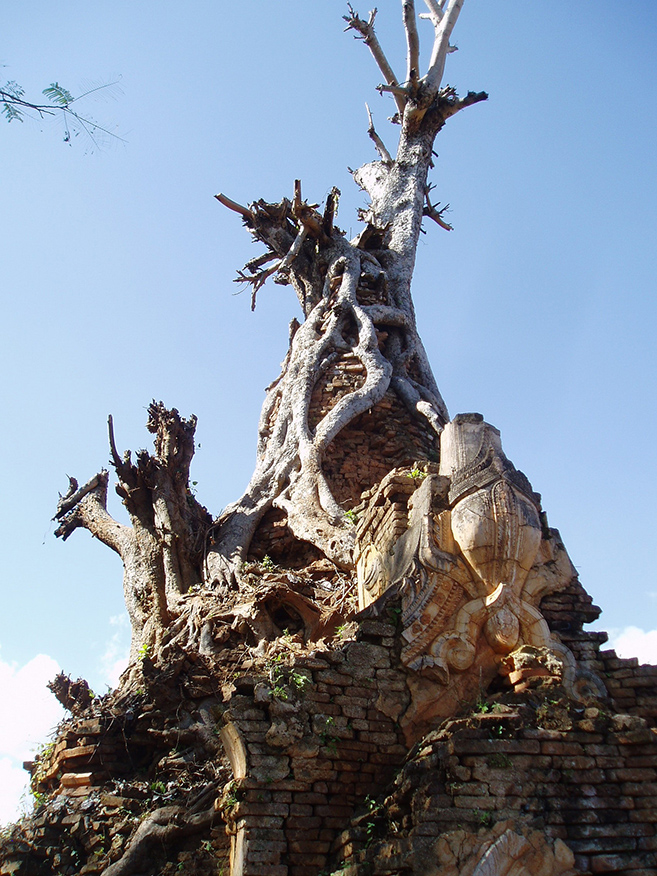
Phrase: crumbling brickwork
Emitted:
{"points": [[318, 737], [579, 775]]}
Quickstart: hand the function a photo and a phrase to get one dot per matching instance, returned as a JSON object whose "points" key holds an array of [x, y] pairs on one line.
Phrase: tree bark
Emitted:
{"points": [[162, 550], [359, 324], [327, 273]]}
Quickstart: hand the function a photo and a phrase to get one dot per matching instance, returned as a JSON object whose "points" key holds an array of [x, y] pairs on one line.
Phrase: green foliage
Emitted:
{"points": [[232, 797], [299, 681], [351, 516], [267, 563], [372, 805], [394, 614], [42, 755], [10, 92], [58, 95], [417, 474], [279, 692], [327, 738], [485, 819], [39, 798], [14, 107], [285, 681], [143, 651], [158, 788]]}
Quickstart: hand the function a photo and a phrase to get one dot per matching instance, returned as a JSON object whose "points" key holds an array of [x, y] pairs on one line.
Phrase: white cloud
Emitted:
{"points": [[115, 658], [29, 714], [635, 642], [13, 790]]}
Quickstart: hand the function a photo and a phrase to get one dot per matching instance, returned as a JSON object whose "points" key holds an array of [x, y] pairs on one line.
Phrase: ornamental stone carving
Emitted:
{"points": [[467, 547]]}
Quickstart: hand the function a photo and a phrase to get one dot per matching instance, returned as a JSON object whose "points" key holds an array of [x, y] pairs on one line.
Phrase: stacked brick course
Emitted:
{"points": [[318, 738], [590, 784]]}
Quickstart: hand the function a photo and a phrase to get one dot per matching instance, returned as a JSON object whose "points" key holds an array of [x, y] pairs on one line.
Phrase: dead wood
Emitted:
{"points": [[162, 551]]}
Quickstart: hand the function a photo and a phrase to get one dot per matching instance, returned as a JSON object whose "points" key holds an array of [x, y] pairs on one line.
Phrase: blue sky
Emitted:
{"points": [[538, 310]]}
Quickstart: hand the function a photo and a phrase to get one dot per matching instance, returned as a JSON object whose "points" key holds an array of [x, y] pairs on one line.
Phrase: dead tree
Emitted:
{"points": [[358, 319], [163, 549], [356, 300]]}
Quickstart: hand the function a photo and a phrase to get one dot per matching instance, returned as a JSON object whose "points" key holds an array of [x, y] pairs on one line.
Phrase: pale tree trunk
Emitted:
{"points": [[328, 272], [359, 322]]}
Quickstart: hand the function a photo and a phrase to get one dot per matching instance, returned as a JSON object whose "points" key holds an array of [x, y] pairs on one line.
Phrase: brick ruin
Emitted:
{"points": [[369, 723]]}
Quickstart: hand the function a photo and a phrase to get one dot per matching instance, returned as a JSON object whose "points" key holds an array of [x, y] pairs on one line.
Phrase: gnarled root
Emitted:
{"points": [[160, 830]]}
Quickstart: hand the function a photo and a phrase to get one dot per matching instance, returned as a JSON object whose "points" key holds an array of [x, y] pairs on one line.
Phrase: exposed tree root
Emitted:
{"points": [[156, 834]]}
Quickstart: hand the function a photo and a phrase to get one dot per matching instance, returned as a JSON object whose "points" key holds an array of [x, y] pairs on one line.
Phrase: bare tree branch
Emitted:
{"points": [[366, 29], [441, 46], [86, 508], [378, 142], [453, 105], [116, 459], [233, 205], [412, 44], [258, 280], [435, 10], [75, 494], [432, 211], [259, 261], [330, 211]]}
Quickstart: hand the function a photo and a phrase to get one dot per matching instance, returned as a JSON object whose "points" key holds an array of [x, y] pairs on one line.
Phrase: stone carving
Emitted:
{"points": [[504, 852], [474, 558]]}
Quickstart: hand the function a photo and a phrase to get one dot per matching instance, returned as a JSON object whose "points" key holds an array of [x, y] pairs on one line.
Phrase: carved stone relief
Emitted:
{"points": [[504, 852], [467, 547]]}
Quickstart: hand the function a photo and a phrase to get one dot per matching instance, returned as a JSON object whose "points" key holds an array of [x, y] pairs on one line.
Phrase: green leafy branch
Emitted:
{"points": [[14, 107]]}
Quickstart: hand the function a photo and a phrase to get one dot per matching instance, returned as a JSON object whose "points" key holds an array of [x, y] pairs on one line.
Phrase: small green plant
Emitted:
{"points": [[143, 651], [485, 819], [371, 804], [39, 798], [267, 563], [482, 707], [416, 473], [341, 631], [232, 797], [351, 516], [279, 692], [158, 787], [299, 681], [395, 615]]}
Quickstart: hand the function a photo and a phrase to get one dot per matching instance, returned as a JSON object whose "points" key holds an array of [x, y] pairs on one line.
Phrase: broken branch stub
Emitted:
{"points": [[162, 549]]}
